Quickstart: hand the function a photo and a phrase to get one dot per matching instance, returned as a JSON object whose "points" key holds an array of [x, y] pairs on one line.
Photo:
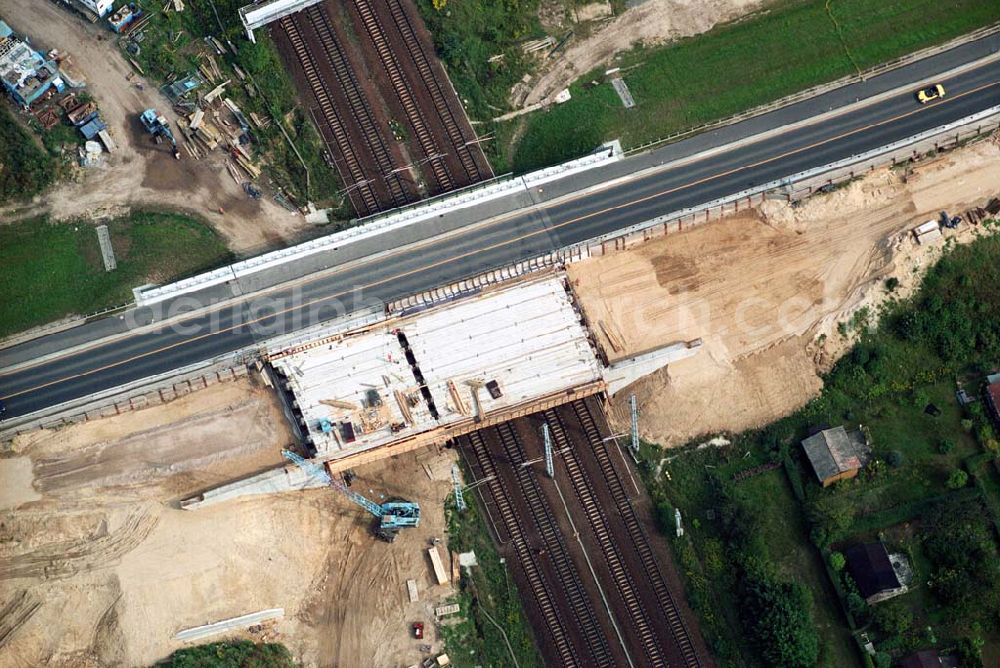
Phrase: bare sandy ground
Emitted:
{"points": [[140, 173], [100, 567], [652, 22], [766, 290]]}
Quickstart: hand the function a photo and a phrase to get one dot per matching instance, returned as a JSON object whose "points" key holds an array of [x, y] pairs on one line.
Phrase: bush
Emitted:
{"points": [[819, 537], [857, 606], [945, 445], [837, 561], [237, 654], [25, 169], [965, 571], [891, 284], [777, 619], [958, 479], [892, 618], [894, 459]]}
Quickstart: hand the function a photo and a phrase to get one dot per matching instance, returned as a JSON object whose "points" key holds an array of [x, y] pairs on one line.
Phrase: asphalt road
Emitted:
{"points": [[396, 272]]}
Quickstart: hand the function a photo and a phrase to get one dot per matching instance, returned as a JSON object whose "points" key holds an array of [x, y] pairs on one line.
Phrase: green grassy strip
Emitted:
{"points": [[904, 513], [53, 270], [791, 47], [471, 639]]}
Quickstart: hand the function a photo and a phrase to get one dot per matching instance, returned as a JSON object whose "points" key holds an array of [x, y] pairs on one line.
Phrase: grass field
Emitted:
{"points": [[790, 47], [55, 270]]}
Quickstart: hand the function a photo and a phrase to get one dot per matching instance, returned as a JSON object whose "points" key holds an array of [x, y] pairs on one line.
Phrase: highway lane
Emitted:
{"points": [[398, 272]]}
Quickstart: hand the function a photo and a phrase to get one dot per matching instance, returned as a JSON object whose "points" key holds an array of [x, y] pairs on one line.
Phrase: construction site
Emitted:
{"points": [[368, 408], [305, 497], [194, 495], [364, 394]]}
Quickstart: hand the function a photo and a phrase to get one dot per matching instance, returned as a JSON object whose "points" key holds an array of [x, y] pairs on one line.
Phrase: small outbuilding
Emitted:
{"points": [[873, 571], [836, 454], [992, 392]]}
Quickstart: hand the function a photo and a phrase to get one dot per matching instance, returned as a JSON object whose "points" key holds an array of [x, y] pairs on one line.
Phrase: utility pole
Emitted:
{"points": [[459, 499], [635, 424], [549, 466]]}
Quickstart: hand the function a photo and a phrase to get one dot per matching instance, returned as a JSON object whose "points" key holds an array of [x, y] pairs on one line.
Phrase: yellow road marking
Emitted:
{"points": [[501, 244]]}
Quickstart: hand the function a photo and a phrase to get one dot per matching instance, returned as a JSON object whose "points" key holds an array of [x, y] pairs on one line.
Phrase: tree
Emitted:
{"points": [[857, 606], [777, 619], [837, 561], [832, 513], [965, 571], [970, 653], [234, 654], [892, 618], [958, 479]]}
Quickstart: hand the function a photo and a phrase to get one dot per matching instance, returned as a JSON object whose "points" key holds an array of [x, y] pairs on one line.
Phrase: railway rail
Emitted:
{"points": [[380, 40], [357, 101], [362, 197], [555, 549], [541, 595], [625, 585], [360, 109], [415, 48], [654, 577]]}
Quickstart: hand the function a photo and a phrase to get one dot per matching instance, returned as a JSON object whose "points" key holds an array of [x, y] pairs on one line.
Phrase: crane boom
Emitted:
{"points": [[314, 470]]}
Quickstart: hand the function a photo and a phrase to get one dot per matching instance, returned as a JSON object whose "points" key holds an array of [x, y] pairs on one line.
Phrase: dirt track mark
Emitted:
{"points": [[15, 613], [63, 559]]}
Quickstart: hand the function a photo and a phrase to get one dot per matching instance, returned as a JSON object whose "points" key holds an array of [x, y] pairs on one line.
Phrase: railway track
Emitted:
{"points": [[555, 549], [624, 582], [363, 198], [540, 593], [357, 102], [415, 48], [654, 577], [373, 26]]}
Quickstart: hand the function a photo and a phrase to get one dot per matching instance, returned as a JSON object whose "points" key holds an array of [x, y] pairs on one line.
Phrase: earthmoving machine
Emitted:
{"points": [[158, 126], [392, 515]]}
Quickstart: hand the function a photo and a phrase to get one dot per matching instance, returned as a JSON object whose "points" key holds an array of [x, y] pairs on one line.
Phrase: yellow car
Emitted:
{"points": [[933, 92]]}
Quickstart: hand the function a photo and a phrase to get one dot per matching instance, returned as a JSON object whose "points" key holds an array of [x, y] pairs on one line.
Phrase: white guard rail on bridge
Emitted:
{"points": [[259, 14], [380, 224]]}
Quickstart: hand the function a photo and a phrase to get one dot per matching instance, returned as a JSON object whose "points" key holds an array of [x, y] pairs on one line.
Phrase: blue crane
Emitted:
{"points": [[158, 126], [392, 515]]}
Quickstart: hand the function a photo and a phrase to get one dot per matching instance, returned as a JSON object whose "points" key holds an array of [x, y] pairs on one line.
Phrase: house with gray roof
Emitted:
{"points": [[836, 454]]}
